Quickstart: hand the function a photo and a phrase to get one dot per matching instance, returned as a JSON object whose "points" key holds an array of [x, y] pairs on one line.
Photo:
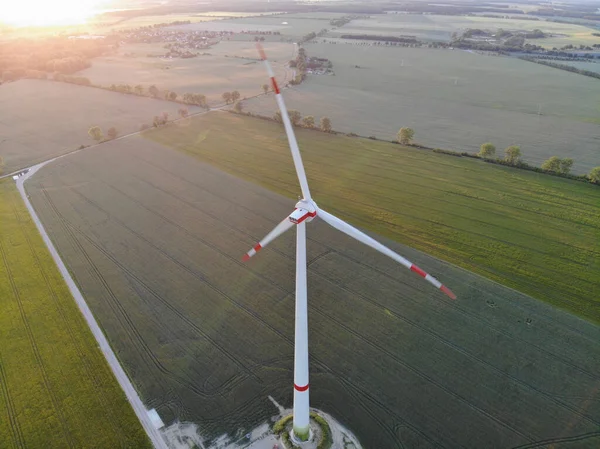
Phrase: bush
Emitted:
{"points": [[279, 426], [372, 137], [352, 135], [327, 440]]}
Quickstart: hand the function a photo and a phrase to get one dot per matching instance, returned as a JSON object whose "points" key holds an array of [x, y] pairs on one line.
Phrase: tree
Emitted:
{"points": [[172, 96], [265, 87], [1, 165], [308, 121], [512, 154], [139, 89], [153, 91], [487, 150], [238, 107], [565, 165], [325, 124], [165, 117], [112, 133], [226, 97], [295, 117], [277, 117], [166, 94], [95, 133], [594, 175], [183, 112], [157, 121], [552, 164], [405, 135], [235, 96]]}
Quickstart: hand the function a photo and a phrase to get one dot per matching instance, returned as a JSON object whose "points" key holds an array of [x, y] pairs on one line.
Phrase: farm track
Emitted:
{"points": [[89, 370], [253, 238], [13, 422], [129, 327], [55, 403]]}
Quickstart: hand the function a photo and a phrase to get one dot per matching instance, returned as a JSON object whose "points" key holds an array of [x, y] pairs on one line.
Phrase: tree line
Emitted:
{"points": [[568, 68]]}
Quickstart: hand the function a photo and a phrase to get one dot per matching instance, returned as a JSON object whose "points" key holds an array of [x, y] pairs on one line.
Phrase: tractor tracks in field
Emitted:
{"points": [[13, 422], [250, 312], [461, 310], [116, 306], [36, 352], [83, 357], [552, 441]]}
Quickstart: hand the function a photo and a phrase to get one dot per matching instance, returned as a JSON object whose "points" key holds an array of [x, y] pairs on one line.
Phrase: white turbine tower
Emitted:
{"points": [[306, 210]]}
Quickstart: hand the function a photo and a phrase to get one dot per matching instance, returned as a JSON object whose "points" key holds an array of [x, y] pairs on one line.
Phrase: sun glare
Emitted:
{"points": [[48, 12]]}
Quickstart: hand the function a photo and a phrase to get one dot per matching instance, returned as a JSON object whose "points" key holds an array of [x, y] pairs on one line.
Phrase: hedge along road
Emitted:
{"points": [[111, 358]]}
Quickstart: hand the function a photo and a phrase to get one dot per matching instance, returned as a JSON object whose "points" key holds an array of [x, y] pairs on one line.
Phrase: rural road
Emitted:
{"points": [[111, 358]]}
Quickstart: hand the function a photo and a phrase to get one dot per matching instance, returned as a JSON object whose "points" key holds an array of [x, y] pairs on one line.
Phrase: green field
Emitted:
{"points": [[536, 233], [57, 389], [154, 238], [440, 28], [453, 99], [210, 75], [32, 134]]}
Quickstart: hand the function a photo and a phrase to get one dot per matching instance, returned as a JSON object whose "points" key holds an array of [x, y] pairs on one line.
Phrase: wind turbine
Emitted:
{"points": [[306, 210]]}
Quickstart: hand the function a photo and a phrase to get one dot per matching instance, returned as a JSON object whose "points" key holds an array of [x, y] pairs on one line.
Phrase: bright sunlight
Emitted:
{"points": [[47, 13]]}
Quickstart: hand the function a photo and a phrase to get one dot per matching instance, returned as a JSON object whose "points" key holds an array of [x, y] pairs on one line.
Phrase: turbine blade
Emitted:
{"points": [[289, 130], [341, 225], [276, 232]]}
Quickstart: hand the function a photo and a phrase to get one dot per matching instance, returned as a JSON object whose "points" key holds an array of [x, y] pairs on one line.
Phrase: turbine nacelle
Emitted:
{"points": [[305, 210]]}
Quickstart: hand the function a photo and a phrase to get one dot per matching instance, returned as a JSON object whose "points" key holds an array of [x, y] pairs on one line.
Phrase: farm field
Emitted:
{"points": [[57, 389], [210, 75], [33, 133], [155, 244], [453, 99], [518, 228], [440, 28]]}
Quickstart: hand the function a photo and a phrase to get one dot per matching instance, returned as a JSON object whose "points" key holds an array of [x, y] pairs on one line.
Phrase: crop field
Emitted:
{"points": [[210, 75], [155, 244], [452, 99], [56, 388], [43, 119], [440, 28]]}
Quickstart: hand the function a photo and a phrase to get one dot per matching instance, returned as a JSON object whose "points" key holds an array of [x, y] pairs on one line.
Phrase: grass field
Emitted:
{"points": [[155, 241], [453, 99], [209, 75], [43, 119], [440, 28], [56, 388]]}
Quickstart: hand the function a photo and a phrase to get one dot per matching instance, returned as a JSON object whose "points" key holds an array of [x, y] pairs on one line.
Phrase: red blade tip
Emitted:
{"points": [[261, 51], [448, 292], [246, 258]]}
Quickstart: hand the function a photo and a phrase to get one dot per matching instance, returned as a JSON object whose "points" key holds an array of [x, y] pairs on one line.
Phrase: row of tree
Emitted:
{"points": [[95, 132], [512, 156], [305, 122], [231, 97]]}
